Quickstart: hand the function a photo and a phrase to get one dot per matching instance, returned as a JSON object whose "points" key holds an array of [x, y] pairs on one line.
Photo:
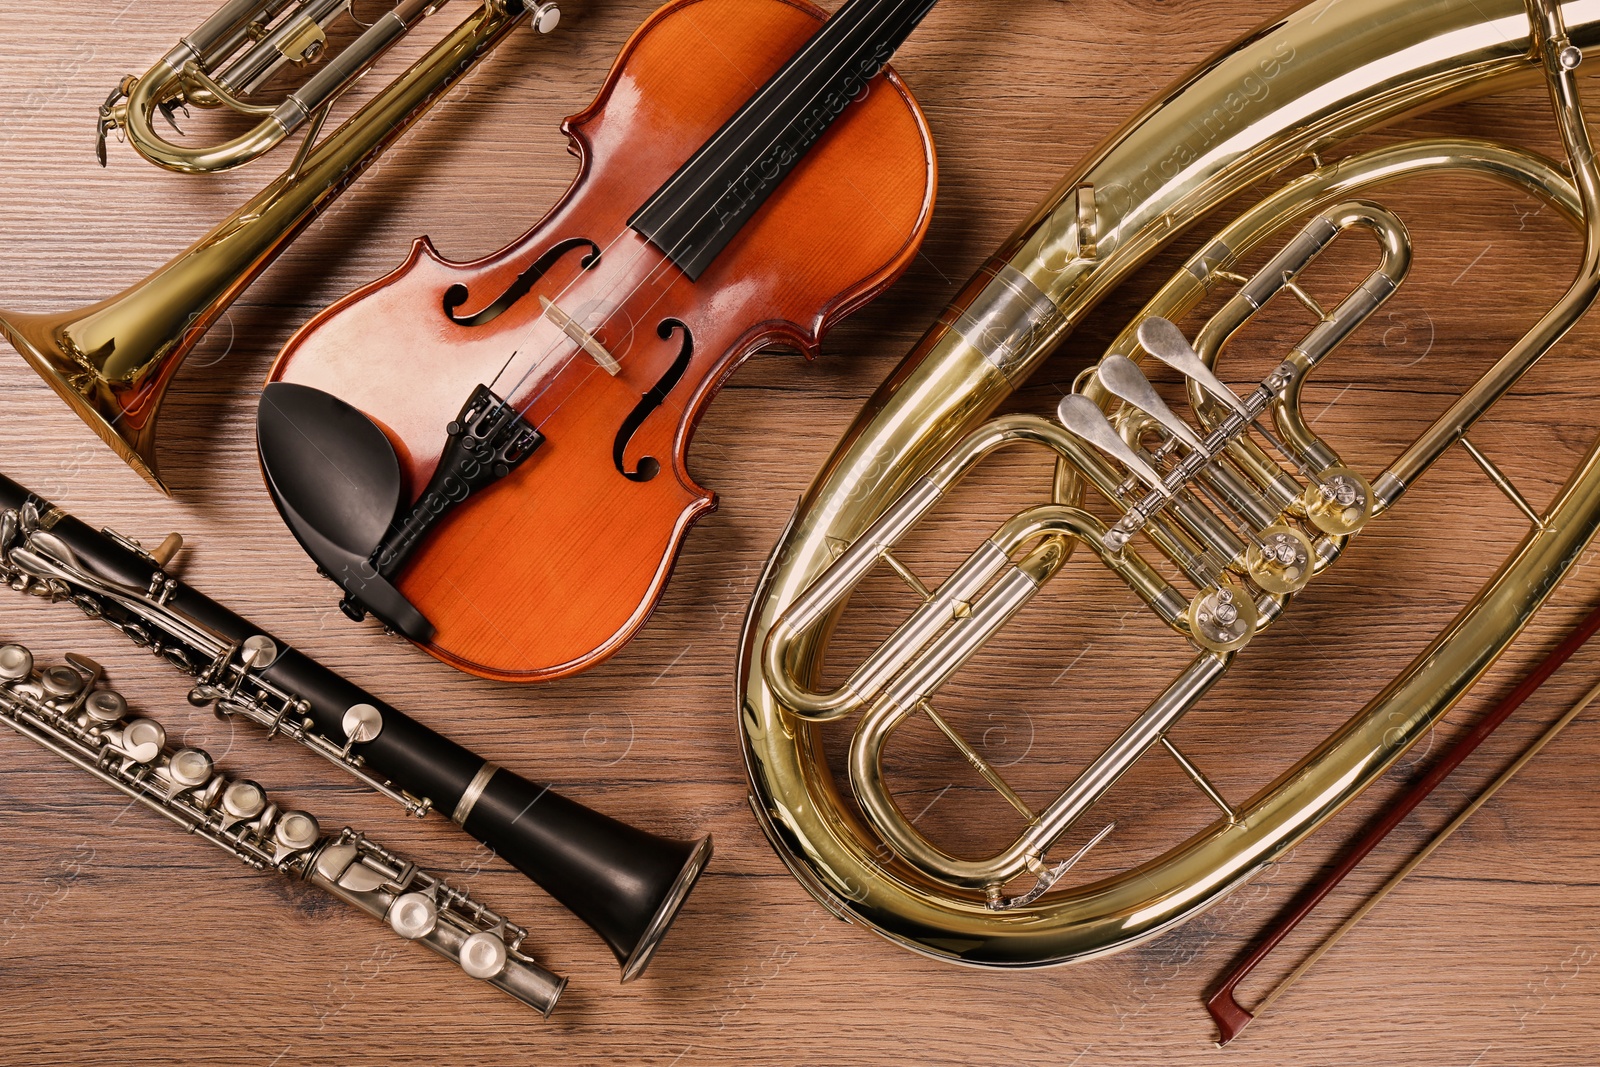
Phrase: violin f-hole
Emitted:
{"points": [[648, 466], [457, 294]]}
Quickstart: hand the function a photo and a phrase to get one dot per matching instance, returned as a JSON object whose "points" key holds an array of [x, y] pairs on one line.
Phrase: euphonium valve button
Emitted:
{"points": [[190, 767], [105, 706], [483, 955], [61, 681], [296, 830], [1222, 619], [1280, 561], [1340, 503], [413, 915], [244, 800], [16, 663]]}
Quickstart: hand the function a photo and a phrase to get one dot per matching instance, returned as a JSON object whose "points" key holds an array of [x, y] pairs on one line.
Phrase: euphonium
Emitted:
{"points": [[112, 361], [1247, 515]]}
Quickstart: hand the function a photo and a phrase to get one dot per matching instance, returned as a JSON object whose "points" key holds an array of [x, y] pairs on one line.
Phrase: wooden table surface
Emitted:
{"points": [[122, 941]]}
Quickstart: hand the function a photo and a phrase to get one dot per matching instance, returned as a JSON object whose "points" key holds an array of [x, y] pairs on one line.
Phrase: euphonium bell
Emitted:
{"points": [[112, 362], [1215, 519]]}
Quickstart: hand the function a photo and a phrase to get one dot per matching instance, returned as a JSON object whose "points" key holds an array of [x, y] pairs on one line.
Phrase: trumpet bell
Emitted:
{"points": [[117, 399], [112, 362]]}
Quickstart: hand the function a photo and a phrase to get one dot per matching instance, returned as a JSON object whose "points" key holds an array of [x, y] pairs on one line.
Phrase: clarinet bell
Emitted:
{"points": [[627, 884]]}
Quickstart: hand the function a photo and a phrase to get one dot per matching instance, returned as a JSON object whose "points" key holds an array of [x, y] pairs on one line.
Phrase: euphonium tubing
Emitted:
{"points": [[1302, 83], [626, 884], [111, 362]]}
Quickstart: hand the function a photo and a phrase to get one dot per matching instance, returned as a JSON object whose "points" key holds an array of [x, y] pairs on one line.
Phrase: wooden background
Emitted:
{"points": [[122, 942]]}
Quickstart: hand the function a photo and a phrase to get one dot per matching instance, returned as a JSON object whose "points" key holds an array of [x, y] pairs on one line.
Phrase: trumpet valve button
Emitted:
{"points": [[546, 17], [296, 830], [190, 767], [483, 955], [105, 706], [244, 800], [61, 681], [413, 915], [16, 663]]}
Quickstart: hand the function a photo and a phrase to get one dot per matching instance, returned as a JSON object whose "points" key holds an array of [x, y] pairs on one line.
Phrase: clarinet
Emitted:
{"points": [[625, 883], [65, 709]]}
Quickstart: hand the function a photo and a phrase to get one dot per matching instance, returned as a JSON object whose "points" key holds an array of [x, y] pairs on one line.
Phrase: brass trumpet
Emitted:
{"points": [[1246, 514], [112, 361]]}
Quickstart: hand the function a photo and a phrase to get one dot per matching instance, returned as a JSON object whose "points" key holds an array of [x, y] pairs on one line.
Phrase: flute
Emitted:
{"points": [[65, 710], [625, 883]]}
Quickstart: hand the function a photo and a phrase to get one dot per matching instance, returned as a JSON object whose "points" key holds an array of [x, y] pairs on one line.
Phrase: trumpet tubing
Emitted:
{"points": [[233, 53], [1242, 500], [112, 361]]}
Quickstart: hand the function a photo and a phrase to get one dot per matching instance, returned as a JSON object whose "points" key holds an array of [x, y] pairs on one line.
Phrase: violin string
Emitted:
{"points": [[891, 13], [650, 276]]}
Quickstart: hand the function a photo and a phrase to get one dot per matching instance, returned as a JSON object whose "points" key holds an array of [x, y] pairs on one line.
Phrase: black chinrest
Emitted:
{"points": [[335, 479]]}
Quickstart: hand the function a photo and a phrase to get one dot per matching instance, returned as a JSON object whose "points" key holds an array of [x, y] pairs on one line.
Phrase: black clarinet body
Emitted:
{"points": [[625, 883]]}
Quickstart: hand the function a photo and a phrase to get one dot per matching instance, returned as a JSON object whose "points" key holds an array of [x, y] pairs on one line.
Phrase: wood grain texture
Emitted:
{"points": [[121, 942], [566, 531]]}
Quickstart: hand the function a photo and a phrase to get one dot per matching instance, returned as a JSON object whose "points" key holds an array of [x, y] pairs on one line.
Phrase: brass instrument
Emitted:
{"points": [[67, 710], [232, 54], [112, 361], [1247, 515]]}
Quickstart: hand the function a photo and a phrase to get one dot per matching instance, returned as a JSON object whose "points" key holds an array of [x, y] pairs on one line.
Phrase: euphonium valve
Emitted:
{"points": [[1245, 536], [1215, 513]]}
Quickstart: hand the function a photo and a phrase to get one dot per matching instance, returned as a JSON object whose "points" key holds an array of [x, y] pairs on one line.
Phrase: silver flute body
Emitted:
{"points": [[627, 884], [65, 709]]}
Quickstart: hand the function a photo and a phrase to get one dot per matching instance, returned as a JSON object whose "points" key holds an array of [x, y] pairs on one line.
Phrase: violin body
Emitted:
{"points": [[555, 566]]}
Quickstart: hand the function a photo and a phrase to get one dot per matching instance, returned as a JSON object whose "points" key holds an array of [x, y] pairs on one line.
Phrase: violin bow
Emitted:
{"points": [[1225, 1009]]}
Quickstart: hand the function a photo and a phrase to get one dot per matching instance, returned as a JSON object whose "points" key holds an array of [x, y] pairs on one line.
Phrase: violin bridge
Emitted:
{"points": [[584, 338]]}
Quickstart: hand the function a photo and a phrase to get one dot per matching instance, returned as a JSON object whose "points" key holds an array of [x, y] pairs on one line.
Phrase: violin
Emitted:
{"points": [[490, 457]]}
